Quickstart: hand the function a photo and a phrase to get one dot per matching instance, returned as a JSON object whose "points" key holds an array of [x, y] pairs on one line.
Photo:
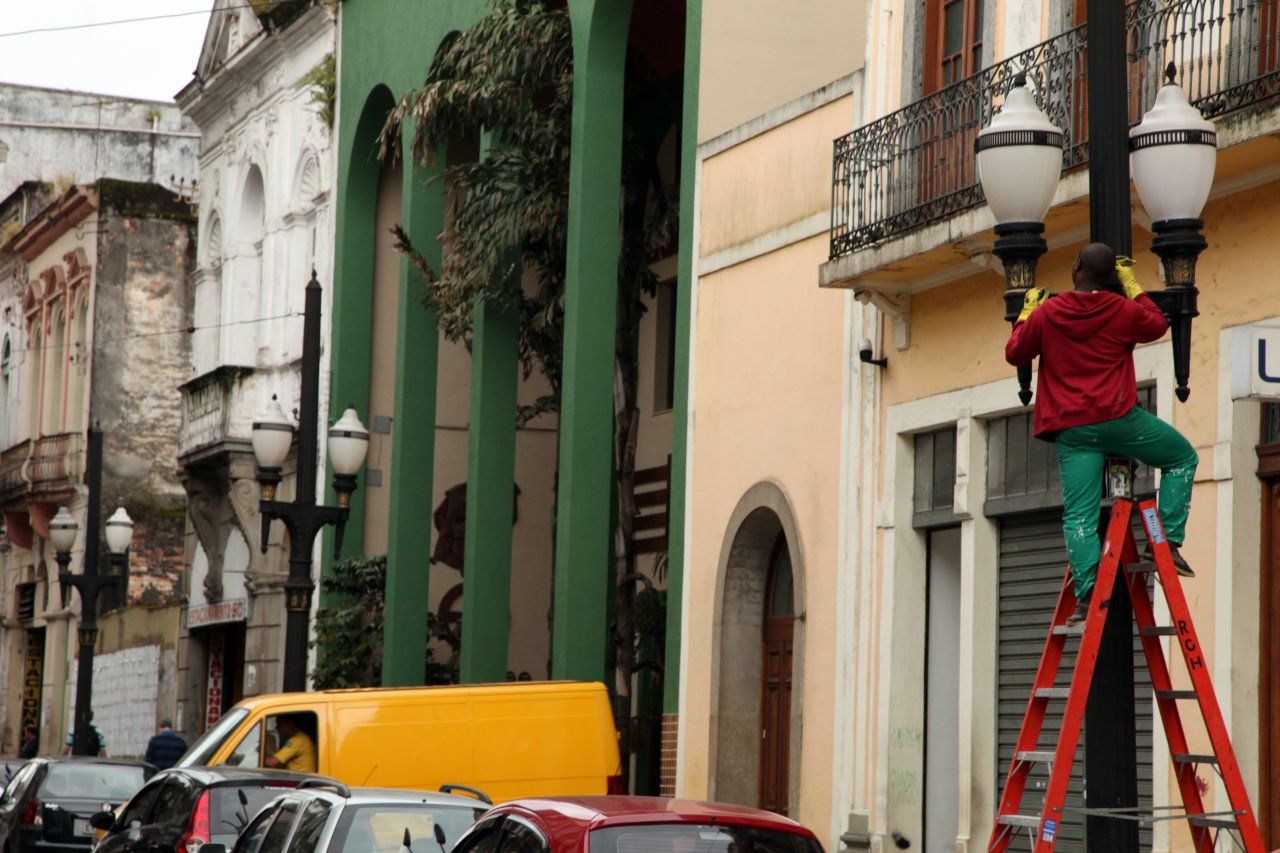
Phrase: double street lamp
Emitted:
{"points": [[273, 435], [63, 529], [1171, 155], [1172, 158]]}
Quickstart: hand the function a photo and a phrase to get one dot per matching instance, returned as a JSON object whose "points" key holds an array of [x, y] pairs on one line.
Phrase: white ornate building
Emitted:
{"points": [[266, 219]]}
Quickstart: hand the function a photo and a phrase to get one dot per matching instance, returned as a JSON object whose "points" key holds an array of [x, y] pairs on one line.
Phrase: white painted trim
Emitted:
{"points": [[98, 128], [685, 613], [847, 574], [771, 241], [778, 116]]}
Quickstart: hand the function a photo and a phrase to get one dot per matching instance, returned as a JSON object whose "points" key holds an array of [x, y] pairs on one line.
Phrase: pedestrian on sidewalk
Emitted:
{"points": [[1087, 402], [165, 747]]}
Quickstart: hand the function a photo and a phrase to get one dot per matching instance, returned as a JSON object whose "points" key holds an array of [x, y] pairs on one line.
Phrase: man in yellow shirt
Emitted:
{"points": [[298, 752]]}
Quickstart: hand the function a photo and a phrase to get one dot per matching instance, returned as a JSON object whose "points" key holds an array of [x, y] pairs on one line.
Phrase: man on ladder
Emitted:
{"points": [[1087, 402]]}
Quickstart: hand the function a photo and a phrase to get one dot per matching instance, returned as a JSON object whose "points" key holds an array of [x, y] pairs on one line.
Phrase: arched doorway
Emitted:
{"points": [[758, 649], [777, 648]]}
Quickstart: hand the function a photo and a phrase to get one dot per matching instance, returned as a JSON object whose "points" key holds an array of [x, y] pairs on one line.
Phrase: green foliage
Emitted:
{"points": [[510, 78], [350, 630], [323, 82]]}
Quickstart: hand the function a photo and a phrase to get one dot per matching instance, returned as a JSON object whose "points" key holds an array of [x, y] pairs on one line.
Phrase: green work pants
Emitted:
{"points": [[1082, 453]]}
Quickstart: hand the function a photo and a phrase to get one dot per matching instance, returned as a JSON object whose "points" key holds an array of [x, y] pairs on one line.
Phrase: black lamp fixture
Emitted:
{"points": [[1172, 156], [62, 536], [303, 517], [865, 353], [1019, 159]]}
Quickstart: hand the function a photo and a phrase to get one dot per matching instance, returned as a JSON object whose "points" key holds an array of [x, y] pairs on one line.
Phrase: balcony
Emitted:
{"points": [[56, 466], [13, 472], [914, 168], [212, 411]]}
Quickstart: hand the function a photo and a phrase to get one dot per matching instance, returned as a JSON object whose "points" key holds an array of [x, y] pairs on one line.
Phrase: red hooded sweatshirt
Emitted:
{"points": [[1085, 342]]}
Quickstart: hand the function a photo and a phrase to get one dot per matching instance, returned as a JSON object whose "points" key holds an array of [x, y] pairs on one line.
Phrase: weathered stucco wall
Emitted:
{"points": [[757, 54], [782, 177], [768, 378], [77, 137]]}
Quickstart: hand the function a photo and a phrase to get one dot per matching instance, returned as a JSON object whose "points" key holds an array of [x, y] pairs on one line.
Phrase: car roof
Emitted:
{"points": [[83, 759], [376, 796], [588, 813], [224, 774]]}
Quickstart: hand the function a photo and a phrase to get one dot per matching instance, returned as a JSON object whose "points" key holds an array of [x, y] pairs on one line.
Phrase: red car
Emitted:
{"points": [[632, 825]]}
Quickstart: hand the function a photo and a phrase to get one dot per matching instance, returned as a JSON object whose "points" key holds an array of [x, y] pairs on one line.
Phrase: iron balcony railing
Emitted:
{"points": [[915, 166]]}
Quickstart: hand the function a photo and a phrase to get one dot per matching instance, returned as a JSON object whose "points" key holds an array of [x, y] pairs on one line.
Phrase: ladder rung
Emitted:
{"points": [[1069, 630], [1194, 758], [1212, 822], [1028, 821], [1160, 631], [1054, 692], [1142, 568], [1176, 694], [1035, 755]]}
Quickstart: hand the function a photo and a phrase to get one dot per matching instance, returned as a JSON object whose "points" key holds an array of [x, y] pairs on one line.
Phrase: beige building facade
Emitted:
{"points": [[768, 384], [921, 518]]}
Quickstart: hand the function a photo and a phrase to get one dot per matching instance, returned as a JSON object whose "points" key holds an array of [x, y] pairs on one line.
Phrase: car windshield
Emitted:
{"points": [[698, 838], [203, 750], [380, 828], [227, 815], [74, 781]]}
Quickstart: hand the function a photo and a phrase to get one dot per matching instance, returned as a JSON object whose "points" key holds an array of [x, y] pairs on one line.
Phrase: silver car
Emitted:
{"points": [[332, 818]]}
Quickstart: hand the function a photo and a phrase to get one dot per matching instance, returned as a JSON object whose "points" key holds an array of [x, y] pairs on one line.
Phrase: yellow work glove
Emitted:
{"points": [[1031, 301], [1124, 272]]}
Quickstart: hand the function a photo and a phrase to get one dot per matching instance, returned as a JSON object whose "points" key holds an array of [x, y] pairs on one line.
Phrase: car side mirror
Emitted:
{"points": [[102, 820]]}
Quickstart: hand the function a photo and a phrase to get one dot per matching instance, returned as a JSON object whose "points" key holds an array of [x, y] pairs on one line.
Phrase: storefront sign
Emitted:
{"points": [[215, 682], [1255, 363], [32, 678], [214, 614]]}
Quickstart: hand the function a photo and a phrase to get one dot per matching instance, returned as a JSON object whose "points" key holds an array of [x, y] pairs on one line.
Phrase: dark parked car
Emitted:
{"points": [[632, 825], [183, 808], [46, 807]]}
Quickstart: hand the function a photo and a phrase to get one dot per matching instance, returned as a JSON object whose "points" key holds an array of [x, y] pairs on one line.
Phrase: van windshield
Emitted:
{"points": [[203, 750]]}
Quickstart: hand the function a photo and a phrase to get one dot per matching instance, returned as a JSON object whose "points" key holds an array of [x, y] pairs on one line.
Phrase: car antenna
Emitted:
{"points": [[366, 781]]}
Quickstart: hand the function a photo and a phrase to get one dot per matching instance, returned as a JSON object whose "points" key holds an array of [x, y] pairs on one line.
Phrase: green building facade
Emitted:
{"points": [[385, 49]]}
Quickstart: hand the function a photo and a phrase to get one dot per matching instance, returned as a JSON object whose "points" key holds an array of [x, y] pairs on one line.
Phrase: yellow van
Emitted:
{"points": [[519, 739]]}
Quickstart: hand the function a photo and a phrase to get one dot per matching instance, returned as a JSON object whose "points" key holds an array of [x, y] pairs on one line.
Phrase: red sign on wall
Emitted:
{"points": [[215, 682]]}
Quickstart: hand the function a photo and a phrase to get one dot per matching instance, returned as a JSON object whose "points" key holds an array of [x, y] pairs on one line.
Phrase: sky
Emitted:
{"points": [[144, 59]]}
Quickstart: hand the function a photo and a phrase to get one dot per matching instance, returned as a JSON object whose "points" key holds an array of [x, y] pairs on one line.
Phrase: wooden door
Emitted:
{"points": [[953, 51], [775, 682]]}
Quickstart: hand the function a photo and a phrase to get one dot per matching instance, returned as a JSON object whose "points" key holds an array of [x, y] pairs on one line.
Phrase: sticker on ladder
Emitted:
{"points": [[1050, 830], [1154, 533]]}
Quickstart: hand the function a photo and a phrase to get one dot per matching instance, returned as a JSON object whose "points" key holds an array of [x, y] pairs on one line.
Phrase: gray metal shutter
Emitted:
{"points": [[1032, 562]]}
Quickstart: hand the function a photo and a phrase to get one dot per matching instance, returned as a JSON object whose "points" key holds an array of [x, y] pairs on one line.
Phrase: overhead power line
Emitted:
{"points": [[91, 24]]}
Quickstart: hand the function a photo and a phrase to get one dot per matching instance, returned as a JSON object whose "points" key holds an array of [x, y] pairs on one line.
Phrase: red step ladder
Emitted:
{"points": [[1041, 823]]}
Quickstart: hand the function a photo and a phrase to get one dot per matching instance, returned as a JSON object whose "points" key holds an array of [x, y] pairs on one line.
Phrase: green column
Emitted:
{"points": [[684, 314], [352, 314], [491, 464], [583, 521], [413, 443]]}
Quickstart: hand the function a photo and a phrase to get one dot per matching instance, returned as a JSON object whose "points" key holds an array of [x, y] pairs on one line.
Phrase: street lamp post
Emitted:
{"points": [[303, 518], [63, 529], [1173, 153]]}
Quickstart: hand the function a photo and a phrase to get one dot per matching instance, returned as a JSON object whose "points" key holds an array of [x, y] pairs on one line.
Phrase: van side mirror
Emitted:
{"points": [[102, 820]]}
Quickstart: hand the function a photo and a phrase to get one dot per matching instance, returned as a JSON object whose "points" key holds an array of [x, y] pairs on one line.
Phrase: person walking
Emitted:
{"points": [[30, 742], [97, 733], [1087, 401], [166, 747]]}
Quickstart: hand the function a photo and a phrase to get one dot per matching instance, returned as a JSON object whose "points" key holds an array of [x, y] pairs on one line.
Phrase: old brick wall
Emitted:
{"points": [[141, 354]]}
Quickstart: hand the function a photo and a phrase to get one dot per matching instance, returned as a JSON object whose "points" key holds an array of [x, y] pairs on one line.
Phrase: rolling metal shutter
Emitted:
{"points": [[1032, 561]]}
